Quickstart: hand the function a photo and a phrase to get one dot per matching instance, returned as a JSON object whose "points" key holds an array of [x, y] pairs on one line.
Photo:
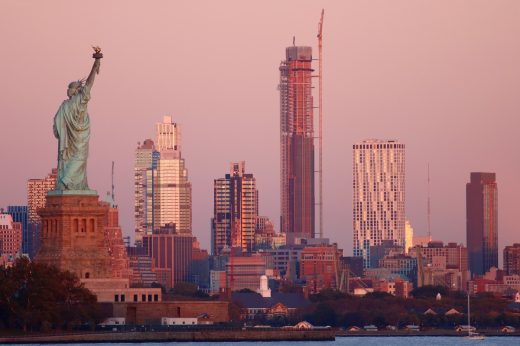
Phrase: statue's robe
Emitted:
{"points": [[72, 129]]}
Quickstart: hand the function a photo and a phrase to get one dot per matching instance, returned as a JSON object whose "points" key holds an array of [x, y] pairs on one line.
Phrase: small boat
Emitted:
{"points": [[471, 334], [475, 336]]}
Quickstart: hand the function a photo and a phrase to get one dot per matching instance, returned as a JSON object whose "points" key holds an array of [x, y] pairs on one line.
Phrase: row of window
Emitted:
{"points": [[144, 298]]}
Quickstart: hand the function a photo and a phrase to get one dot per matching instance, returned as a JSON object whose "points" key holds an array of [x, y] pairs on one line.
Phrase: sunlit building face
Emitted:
{"points": [[378, 195]]}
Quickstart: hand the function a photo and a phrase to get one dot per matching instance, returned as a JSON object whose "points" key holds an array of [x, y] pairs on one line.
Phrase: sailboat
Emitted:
{"points": [[472, 335]]}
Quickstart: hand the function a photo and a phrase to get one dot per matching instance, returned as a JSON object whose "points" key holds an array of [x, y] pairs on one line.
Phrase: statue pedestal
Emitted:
{"points": [[72, 235]]}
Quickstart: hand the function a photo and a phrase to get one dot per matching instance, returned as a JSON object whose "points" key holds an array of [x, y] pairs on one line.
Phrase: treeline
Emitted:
{"points": [[381, 309], [36, 297]]}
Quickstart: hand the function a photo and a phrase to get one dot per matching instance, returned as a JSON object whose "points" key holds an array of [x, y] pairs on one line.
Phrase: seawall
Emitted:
{"points": [[205, 335]]}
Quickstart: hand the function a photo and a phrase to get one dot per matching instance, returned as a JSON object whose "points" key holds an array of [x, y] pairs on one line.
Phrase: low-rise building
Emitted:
{"points": [[152, 313], [320, 266], [403, 265], [141, 265], [244, 272], [254, 306], [443, 265], [114, 290]]}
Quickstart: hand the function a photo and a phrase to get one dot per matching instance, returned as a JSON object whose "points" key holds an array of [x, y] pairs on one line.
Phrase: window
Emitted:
{"points": [[149, 297], [143, 297], [135, 297], [155, 297], [122, 297], [116, 298]]}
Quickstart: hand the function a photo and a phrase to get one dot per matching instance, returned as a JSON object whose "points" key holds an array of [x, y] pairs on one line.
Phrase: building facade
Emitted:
{"points": [[402, 265], [171, 256], [37, 190], [296, 144], [10, 236], [235, 210], [320, 267], [378, 195], [145, 174], [443, 265], [244, 272], [141, 266], [512, 259], [173, 188], [20, 214], [482, 222]]}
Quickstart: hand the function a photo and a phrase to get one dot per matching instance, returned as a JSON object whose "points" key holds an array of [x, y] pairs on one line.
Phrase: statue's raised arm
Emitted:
{"points": [[95, 68]]}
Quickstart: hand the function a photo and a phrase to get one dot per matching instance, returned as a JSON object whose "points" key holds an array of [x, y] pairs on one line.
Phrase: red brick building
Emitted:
{"points": [[319, 266]]}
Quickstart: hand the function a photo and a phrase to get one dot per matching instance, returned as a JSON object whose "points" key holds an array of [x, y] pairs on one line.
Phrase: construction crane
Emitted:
{"points": [[113, 194], [320, 120], [429, 210]]}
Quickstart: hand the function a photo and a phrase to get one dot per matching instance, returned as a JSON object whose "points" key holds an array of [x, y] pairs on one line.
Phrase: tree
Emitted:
{"points": [[327, 294], [35, 296], [324, 315], [429, 291], [184, 289]]}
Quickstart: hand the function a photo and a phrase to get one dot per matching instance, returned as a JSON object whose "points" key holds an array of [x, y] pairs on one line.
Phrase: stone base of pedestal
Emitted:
{"points": [[72, 235]]}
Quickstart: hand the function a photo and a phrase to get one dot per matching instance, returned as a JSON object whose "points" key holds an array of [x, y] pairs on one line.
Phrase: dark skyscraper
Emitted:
{"points": [[296, 144], [482, 222], [235, 210]]}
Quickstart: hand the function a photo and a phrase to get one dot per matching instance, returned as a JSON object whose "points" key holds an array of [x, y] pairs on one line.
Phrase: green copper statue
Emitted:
{"points": [[72, 129]]}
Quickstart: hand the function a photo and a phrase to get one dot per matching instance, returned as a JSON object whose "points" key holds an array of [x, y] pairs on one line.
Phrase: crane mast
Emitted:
{"points": [[113, 195], [320, 121]]}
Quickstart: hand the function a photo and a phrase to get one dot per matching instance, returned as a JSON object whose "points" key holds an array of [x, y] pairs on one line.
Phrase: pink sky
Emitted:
{"points": [[441, 76]]}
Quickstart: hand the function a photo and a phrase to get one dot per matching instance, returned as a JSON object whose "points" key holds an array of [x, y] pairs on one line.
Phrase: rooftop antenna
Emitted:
{"points": [[429, 210], [113, 194], [294, 40]]}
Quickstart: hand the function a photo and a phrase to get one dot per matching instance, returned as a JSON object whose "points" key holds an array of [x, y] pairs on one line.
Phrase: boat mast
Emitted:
{"points": [[469, 321]]}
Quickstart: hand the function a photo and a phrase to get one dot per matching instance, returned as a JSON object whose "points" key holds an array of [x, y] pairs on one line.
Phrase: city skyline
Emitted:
{"points": [[376, 85]]}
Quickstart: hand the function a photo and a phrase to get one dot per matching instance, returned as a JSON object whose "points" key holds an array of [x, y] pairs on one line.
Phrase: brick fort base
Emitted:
{"points": [[72, 235]]}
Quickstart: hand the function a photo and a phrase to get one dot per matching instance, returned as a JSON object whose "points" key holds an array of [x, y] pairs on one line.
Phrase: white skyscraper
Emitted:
{"points": [[379, 195], [162, 189], [172, 188], [168, 135]]}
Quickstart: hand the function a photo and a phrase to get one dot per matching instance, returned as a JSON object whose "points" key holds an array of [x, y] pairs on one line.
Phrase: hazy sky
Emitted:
{"points": [[443, 77]]}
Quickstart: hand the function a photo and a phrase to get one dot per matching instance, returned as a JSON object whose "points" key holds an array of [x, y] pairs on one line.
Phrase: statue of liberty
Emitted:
{"points": [[72, 129]]}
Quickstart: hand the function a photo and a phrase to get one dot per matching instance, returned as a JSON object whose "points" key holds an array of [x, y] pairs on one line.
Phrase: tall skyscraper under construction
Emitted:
{"points": [[378, 195], [296, 144], [235, 210]]}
